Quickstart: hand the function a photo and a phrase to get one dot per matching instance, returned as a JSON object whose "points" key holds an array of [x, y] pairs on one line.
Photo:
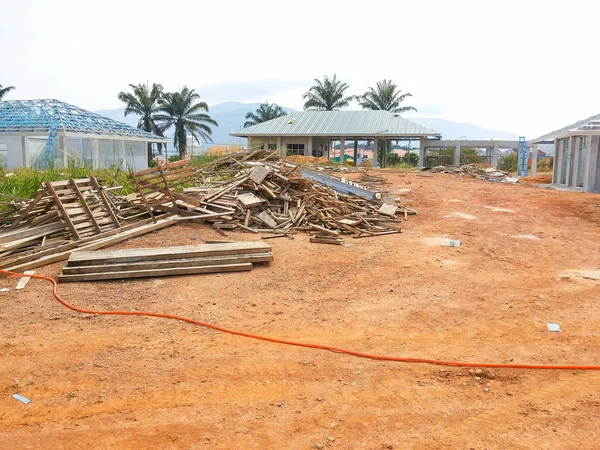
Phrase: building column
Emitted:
{"points": [[279, 149], [576, 156], [355, 152], [557, 162], [534, 157], [24, 150], [422, 152], [308, 150], [63, 149], [570, 157], [121, 146], [96, 153], [342, 150], [591, 164], [375, 148], [456, 160], [495, 156]]}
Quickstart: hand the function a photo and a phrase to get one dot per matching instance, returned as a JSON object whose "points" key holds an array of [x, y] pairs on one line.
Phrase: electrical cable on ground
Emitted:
{"points": [[301, 344]]}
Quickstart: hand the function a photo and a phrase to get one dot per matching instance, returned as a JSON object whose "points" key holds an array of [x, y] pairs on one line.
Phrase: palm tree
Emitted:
{"points": [[263, 113], [327, 95], [184, 112], [4, 91], [385, 96], [144, 102]]}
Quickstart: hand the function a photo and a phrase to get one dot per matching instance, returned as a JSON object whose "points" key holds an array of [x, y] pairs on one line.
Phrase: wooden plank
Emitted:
{"points": [[388, 209], [166, 166], [11, 236], [97, 243], [324, 230], [107, 204], [81, 258], [61, 208], [259, 173], [266, 219], [84, 204], [166, 264], [249, 200], [155, 272], [24, 280]]}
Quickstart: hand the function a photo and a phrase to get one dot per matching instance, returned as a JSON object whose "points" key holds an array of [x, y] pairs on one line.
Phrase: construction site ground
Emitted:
{"points": [[529, 256]]}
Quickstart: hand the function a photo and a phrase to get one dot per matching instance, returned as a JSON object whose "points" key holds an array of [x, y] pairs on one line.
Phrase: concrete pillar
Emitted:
{"points": [[342, 150], [575, 166], [121, 147], [375, 151], [63, 150], [96, 153], [279, 149], [421, 152], [456, 161], [573, 141], [534, 157], [355, 152], [591, 168], [556, 166], [308, 150], [24, 150], [495, 156]]}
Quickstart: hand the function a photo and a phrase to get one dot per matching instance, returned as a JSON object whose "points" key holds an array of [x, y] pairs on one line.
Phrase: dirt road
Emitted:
{"points": [[530, 256]]}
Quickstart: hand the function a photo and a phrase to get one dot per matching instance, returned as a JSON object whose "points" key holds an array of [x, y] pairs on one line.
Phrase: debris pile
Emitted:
{"points": [[256, 192], [477, 171], [260, 192]]}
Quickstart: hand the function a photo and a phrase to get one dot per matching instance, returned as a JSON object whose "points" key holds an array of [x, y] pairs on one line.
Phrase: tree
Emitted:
{"points": [[4, 91], [327, 95], [386, 97], [263, 113], [144, 102], [184, 112]]}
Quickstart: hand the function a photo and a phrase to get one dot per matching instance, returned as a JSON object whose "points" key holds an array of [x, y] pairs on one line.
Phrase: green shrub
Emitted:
{"points": [[509, 162]]}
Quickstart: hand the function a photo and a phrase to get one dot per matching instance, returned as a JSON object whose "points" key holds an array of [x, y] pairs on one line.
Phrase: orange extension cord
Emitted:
{"points": [[299, 344]]}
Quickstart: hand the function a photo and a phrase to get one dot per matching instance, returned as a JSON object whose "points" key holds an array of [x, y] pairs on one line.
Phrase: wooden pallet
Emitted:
{"points": [[83, 206]]}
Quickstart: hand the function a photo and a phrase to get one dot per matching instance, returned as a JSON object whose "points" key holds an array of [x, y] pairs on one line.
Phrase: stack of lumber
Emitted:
{"points": [[152, 262]]}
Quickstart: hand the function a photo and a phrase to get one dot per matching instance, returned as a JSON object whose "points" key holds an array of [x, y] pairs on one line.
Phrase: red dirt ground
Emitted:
{"points": [[126, 382]]}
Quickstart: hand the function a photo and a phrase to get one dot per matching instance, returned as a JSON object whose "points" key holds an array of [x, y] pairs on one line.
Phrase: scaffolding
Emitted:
{"points": [[38, 133]]}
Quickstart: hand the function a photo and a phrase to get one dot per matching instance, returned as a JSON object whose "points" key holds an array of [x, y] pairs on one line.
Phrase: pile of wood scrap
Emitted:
{"points": [[261, 192], [152, 262], [482, 172], [368, 179], [64, 215]]}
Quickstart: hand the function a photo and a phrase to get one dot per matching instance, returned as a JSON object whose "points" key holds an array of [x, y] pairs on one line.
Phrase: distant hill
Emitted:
{"points": [[458, 130], [231, 117]]}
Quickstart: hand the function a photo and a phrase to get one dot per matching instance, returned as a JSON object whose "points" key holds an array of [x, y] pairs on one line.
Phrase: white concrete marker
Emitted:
{"points": [[24, 280]]}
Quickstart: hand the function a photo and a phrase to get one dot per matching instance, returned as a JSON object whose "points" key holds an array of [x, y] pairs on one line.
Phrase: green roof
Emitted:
{"points": [[366, 124]]}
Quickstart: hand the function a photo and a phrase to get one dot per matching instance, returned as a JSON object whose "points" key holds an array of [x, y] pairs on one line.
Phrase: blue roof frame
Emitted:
{"points": [[52, 116]]}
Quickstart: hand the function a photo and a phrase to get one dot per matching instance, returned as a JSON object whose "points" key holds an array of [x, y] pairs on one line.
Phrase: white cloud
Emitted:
{"points": [[526, 67]]}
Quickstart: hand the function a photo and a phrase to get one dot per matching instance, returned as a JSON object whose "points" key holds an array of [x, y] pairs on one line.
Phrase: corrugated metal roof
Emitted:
{"points": [[563, 132], [338, 124]]}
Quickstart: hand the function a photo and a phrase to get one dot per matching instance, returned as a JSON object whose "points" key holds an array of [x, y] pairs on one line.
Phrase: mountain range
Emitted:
{"points": [[231, 117]]}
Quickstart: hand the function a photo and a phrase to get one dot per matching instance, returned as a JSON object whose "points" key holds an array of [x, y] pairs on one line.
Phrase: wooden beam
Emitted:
{"points": [[154, 272]]}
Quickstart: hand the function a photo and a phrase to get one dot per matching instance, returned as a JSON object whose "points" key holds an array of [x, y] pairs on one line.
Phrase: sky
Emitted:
{"points": [[526, 66]]}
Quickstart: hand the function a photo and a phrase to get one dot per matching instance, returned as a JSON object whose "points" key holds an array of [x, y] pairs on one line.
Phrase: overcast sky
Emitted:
{"points": [[526, 67]]}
